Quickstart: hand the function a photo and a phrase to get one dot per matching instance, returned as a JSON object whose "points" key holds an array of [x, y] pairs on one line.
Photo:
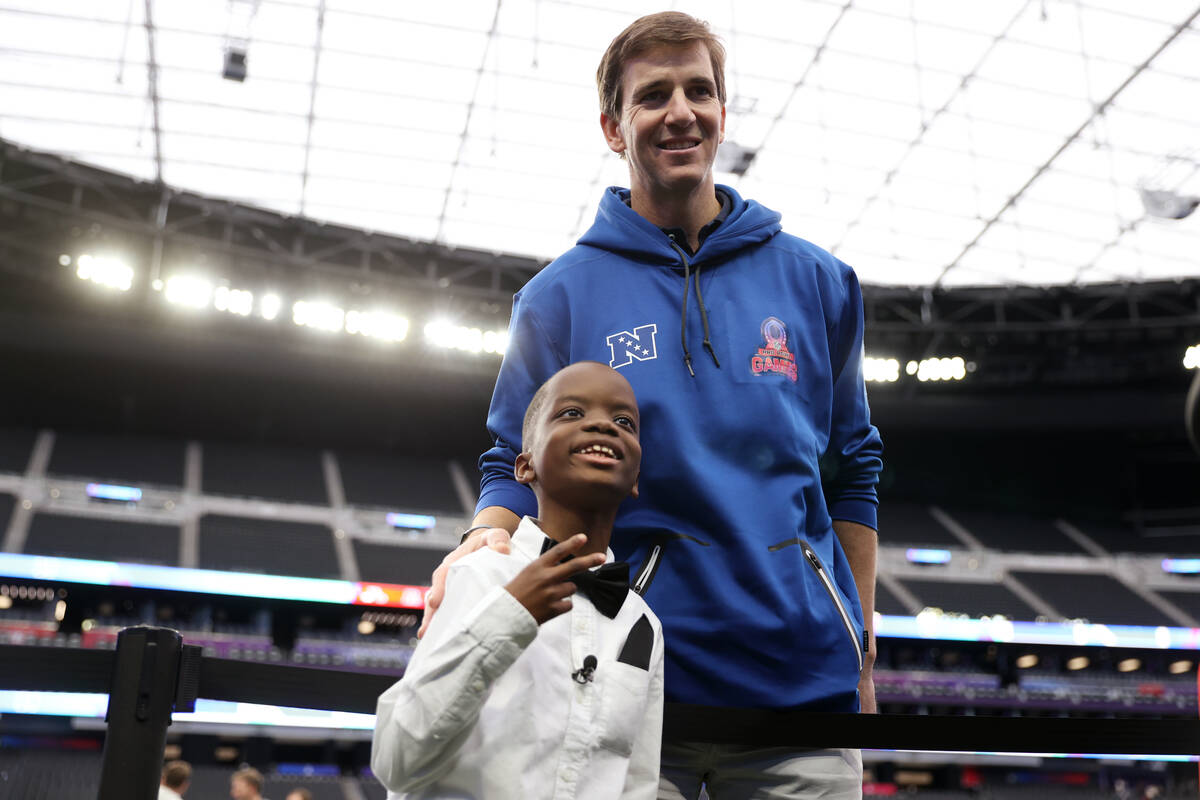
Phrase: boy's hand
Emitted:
{"points": [[543, 588], [495, 538]]}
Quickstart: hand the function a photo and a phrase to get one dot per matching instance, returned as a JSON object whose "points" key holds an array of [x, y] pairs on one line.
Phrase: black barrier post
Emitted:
{"points": [[140, 700]]}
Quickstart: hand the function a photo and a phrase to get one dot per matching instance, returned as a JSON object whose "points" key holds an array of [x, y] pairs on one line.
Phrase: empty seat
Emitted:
{"points": [[888, 603], [275, 547], [103, 539], [1017, 533], [1096, 598], [7, 503], [16, 445], [973, 599], [119, 459], [1188, 602], [394, 564], [403, 483], [278, 473], [1117, 538], [48, 774], [912, 524]]}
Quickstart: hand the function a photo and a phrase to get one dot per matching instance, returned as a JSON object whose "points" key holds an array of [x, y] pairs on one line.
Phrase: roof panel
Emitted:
{"points": [[918, 124]]}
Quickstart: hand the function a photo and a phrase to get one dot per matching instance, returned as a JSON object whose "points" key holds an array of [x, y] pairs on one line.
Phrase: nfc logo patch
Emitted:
{"points": [[625, 346]]}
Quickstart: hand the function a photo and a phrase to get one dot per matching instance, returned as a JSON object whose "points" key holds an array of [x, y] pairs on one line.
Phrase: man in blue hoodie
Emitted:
{"points": [[744, 346]]}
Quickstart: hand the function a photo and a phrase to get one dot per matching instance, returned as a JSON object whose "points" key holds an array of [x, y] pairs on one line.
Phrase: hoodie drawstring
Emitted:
{"points": [[687, 283]]}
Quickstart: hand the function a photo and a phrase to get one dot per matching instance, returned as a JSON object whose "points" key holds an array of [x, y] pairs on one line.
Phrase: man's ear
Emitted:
{"points": [[612, 133], [523, 469], [722, 125], [633, 492]]}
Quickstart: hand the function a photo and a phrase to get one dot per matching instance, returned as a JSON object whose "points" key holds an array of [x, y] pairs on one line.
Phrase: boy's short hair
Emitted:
{"points": [[666, 28], [176, 773], [251, 776], [302, 793]]}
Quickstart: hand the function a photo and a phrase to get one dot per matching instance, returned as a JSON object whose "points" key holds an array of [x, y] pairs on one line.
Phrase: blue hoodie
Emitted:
{"points": [[731, 539]]}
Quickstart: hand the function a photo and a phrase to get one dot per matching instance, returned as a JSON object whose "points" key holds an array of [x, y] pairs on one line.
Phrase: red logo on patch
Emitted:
{"points": [[774, 357]]}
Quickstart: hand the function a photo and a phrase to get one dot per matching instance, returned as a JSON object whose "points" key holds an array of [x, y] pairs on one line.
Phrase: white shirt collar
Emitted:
{"points": [[528, 540]]}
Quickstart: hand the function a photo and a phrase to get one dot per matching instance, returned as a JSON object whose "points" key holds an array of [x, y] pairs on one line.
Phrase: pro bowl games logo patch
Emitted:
{"points": [[774, 357]]}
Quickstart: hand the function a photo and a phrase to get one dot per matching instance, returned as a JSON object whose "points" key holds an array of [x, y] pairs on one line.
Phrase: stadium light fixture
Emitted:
{"points": [[111, 273], [1027, 661], [383, 325], [1191, 357], [1183, 566], [233, 301], [5, 602], [189, 291], [440, 333], [1129, 665], [881, 370], [941, 369], [318, 314], [269, 306], [1077, 663], [1179, 667]]}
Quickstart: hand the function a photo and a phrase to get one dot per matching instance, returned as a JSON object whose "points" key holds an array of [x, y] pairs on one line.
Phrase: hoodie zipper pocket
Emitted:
{"points": [[645, 574], [814, 561]]}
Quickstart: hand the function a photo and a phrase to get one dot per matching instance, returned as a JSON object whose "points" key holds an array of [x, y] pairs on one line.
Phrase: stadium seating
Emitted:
{"points": [[911, 525], [273, 472], [394, 481], [118, 459], [243, 544], [1020, 533], [49, 775], [16, 444], [974, 599], [392, 564], [130, 540], [1098, 598], [888, 603]]}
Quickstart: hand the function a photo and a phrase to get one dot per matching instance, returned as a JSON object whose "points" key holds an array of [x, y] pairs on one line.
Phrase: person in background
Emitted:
{"points": [[246, 784], [176, 776], [299, 793]]}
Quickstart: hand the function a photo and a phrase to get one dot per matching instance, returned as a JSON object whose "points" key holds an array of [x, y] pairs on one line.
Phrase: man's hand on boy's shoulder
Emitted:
{"points": [[543, 587], [494, 538]]}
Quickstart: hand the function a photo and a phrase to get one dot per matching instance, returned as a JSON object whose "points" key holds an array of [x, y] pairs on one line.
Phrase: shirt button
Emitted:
{"points": [[478, 685]]}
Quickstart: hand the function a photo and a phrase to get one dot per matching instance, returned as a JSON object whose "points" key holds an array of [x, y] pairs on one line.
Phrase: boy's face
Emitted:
{"points": [[585, 451]]}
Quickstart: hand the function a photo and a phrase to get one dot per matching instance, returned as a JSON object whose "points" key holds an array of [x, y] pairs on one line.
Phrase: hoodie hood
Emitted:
{"points": [[620, 229]]}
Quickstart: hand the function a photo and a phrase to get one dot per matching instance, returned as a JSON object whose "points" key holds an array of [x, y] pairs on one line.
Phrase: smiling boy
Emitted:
{"points": [[522, 688]]}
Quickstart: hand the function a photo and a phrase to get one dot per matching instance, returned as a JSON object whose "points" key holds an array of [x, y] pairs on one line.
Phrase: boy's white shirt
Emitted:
{"points": [[488, 708]]}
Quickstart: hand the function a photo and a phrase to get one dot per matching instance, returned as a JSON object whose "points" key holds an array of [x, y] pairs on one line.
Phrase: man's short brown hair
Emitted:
{"points": [[176, 773], [301, 792], [666, 28], [251, 776]]}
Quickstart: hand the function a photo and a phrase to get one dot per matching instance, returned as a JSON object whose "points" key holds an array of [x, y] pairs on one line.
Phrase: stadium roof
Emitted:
{"points": [[928, 142]]}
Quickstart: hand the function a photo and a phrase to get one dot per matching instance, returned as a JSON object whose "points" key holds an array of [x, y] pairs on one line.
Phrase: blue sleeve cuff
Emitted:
{"points": [[864, 512], [509, 494]]}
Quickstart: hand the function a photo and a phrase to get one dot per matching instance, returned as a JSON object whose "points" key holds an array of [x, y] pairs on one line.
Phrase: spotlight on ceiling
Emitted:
{"points": [[1027, 661], [735, 158], [1180, 667], [1078, 663], [1129, 665], [1166, 204], [235, 64]]}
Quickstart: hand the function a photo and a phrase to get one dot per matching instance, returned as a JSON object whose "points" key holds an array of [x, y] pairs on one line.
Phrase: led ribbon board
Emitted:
{"points": [[208, 581]]}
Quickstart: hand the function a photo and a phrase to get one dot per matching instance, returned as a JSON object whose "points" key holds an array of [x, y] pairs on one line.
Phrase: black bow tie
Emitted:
{"points": [[606, 587]]}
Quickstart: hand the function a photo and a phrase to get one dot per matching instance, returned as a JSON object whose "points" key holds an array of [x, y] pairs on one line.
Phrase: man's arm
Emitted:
{"points": [[860, 544]]}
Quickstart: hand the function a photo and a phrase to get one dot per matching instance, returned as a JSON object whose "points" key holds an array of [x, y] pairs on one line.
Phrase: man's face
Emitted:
{"points": [[241, 790], [586, 451], [671, 119]]}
